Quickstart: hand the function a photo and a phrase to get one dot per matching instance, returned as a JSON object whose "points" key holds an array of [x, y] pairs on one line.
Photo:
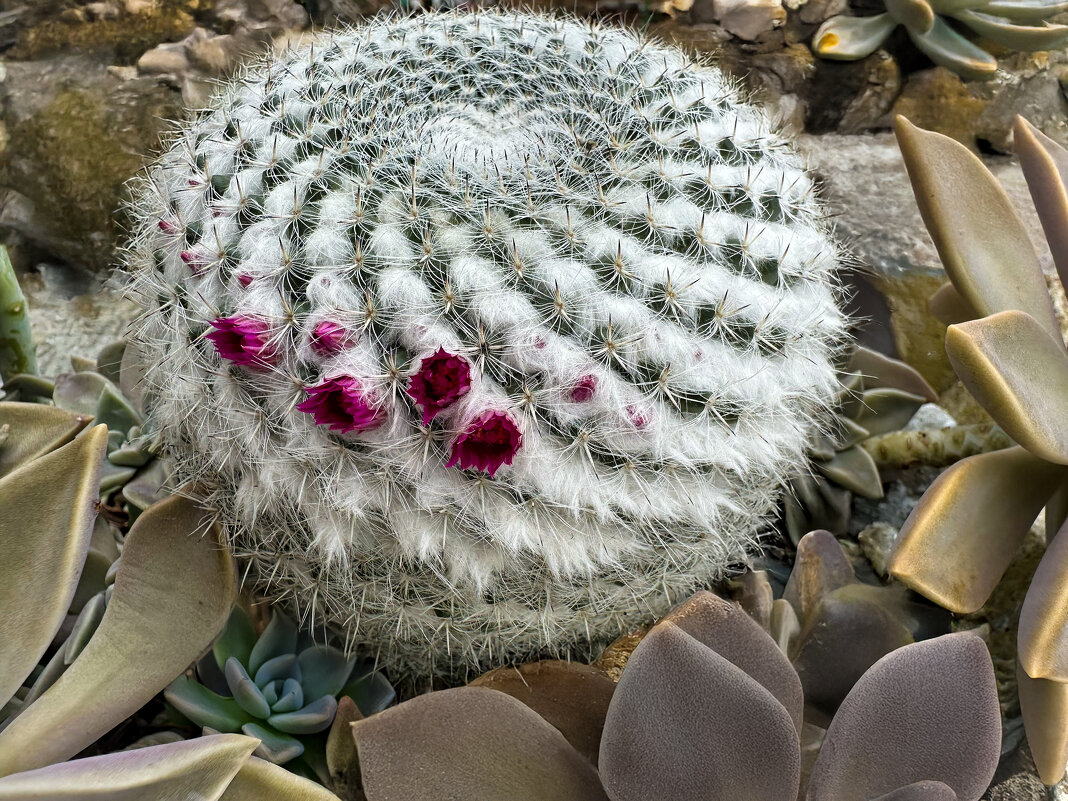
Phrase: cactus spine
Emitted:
{"points": [[487, 334]]}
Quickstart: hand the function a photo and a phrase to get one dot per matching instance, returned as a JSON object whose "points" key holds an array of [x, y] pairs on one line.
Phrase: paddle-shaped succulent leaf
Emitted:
{"points": [[1045, 166], [981, 240], [260, 780], [962, 535], [175, 579], [925, 712], [1019, 373], [49, 509], [189, 769], [1044, 708], [34, 429], [273, 687], [470, 743]]}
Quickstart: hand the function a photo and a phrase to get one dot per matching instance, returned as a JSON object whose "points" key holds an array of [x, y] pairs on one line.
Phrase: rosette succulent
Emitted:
{"points": [[272, 689], [1014, 24], [487, 334]]}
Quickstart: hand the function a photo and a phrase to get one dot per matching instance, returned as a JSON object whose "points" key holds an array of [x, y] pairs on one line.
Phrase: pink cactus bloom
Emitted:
{"points": [[492, 439], [341, 404], [637, 419], [243, 340], [329, 338], [168, 227], [244, 279], [192, 261], [443, 379], [584, 388]]}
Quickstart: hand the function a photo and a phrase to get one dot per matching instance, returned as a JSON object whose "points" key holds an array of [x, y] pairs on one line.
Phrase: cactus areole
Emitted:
{"points": [[487, 334]]}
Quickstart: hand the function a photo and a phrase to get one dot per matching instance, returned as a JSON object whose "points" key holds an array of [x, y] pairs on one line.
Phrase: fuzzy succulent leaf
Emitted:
{"points": [[631, 265], [49, 510], [687, 724], [869, 752], [126, 662], [260, 779], [200, 768], [34, 430], [470, 743]]}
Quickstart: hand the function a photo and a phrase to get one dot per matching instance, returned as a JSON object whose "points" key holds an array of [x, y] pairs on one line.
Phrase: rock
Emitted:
{"points": [[75, 134], [72, 314], [166, 58], [876, 541], [882, 84], [749, 19], [938, 100], [1029, 84]]}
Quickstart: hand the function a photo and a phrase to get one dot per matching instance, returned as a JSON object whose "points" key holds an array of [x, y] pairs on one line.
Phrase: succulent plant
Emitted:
{"points": [[878, 395], [1009, 353], [488, 334], [1015, 24], [707, 707], [273, 689]]}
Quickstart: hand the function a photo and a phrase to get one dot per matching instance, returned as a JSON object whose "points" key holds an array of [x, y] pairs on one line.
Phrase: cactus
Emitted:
{"points": [[487, 334]]}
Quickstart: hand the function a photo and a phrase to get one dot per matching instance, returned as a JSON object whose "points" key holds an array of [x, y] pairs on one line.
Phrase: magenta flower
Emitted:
{"points": [[491, 440], [328, 338], [168, 227], [243, 340], [584, 388], [193, 261], [341, 404], [443, 379], [244, 279]]}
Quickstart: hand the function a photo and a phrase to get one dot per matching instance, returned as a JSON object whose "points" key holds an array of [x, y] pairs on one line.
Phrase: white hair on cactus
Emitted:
{"points": [[488, 334]]}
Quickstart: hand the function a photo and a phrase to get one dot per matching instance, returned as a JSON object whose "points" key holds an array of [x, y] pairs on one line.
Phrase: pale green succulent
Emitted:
{"points": [[273, 687], [17, 351], [1015, 24]]}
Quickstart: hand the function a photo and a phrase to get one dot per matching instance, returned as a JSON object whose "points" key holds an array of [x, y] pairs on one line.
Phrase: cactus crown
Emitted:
{"points": [[488, 334]]}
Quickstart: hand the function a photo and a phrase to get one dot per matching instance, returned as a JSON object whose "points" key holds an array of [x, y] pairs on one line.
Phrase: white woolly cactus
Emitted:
{"points": [[489, 334]]}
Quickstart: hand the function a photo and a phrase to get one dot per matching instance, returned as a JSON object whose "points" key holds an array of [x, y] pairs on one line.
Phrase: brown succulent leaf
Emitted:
{"points": [[49, 508], [921, 791], [571, 696], [342, 761], [855, 470], [887, 409], [469, 743], [1043, 637], [881, 371], [820, 567], [1019, 374], [688, 725], [35, 429], [173, 581], [850, 630], [1044, 707], [980, 238], [199, 768], [1045, 166], [949, 307], [733, 635], [964, 532], [925, 712]]}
